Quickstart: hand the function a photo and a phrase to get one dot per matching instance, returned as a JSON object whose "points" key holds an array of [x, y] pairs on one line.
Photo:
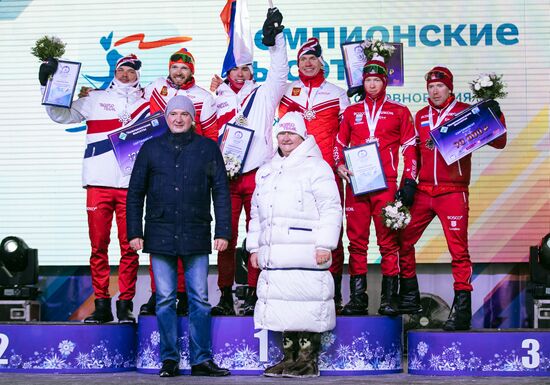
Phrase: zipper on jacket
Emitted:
{"points": [[435, 166]]}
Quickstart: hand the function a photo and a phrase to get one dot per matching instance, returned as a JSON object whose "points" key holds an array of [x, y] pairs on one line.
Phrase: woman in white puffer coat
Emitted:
{"points": [[295, 223]]}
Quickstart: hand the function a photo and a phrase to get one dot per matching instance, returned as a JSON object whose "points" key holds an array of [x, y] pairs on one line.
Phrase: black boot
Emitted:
{"points": [[388, 296], [290, 350], [102, 312], [250, 301], [409, 296], [359, 300], [124, 309], [182, 308], [461, 312], [149, 307], [306, 364], [225, 306], [337, 293]]}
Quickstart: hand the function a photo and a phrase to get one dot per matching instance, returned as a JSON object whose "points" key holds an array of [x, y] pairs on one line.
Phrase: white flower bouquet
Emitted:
{"points": [[48, 46], [377, 47], [232, 165], [396, 216], [488, 86]]}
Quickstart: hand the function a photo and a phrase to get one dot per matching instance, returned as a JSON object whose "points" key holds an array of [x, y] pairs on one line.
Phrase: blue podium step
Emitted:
{"points": [[486, 352], [357, 346], [68, 347]]}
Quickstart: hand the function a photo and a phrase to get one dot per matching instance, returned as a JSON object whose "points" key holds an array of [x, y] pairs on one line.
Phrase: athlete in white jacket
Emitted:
{"points": [[107, 111], [243, 102], [295, 223]]}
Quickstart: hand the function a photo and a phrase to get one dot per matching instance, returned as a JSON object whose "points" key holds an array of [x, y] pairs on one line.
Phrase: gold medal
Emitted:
{"points": [[241, 120]]}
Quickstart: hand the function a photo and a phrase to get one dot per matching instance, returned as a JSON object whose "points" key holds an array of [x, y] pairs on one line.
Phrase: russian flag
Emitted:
{"points": [[236, 22]]}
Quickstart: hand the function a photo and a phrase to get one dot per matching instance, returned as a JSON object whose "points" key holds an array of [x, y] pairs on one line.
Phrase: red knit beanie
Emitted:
{"points": [[377, 68], [440, 74], [185, 57]]}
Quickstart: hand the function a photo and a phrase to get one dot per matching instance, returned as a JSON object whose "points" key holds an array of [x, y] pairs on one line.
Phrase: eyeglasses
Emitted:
{"points": [[434, 75], [375, 69], [180, 57]]}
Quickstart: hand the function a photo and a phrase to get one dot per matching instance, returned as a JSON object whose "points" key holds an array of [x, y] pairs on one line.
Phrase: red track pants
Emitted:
{"points": [[101, 204]]}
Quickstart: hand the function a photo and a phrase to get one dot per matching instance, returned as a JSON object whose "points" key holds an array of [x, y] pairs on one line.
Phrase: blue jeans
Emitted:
{"points": [[196, 278]]}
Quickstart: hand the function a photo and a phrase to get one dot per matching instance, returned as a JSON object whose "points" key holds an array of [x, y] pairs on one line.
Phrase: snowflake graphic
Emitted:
{"points": [[66, 347], [54, 362], [327, 339], [83, 360], [422, 348], [15, 361], [155, 338]]}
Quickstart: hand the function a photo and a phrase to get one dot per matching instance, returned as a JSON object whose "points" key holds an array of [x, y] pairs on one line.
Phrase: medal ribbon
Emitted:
{"points": [[441, 117], [311, 97], [372, 119]]}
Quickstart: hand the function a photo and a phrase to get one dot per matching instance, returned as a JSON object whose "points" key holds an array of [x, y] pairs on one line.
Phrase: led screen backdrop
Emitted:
{"points": [[40, 195]]}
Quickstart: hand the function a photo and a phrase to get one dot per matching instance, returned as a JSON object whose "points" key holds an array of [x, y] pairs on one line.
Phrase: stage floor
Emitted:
{"points": [[137, 378]]}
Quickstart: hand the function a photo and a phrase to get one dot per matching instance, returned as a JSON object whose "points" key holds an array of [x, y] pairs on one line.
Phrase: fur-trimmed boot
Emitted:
{"points": [[290, 350], [409, 296], [359, 300], [461, 312], [388, 296], [306, 364]]}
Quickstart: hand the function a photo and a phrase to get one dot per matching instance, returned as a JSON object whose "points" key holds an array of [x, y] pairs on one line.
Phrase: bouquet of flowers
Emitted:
{"points": [[377, 47], [48, 46], [396, 216], [488, 86], [232, 165]]}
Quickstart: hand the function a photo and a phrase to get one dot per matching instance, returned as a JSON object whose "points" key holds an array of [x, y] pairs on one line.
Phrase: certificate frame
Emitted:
{"points": [[371, 167], [61, 85], [468, 131], [354, 60], [236, 140]]}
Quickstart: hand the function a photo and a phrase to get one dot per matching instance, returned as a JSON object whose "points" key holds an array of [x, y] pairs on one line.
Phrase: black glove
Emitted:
{"points": [[406, 193], [47, 69], [272, 26], [494, 107]]}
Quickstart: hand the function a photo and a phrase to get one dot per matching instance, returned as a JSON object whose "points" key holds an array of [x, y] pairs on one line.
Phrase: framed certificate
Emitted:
{"points": [[466, 132], [128, 141], [236, 141], [61, 86], [355, 59], [368, 174]]}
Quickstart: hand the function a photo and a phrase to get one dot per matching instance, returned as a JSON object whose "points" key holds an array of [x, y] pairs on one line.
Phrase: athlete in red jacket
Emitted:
{"points": [[389, 124], [442, 191], [322, 104]]}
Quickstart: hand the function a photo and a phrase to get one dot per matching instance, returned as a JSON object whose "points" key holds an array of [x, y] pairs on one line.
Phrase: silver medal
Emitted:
{"points": [[309, 115], [124, 118]]}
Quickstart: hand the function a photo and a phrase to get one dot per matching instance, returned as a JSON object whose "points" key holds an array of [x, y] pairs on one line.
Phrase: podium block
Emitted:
{"points": [[487, 352], [67, 347], [357, 346]]}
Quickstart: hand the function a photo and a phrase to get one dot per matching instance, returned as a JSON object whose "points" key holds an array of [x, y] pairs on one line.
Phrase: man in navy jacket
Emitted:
{"points": [[178, 172]]}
